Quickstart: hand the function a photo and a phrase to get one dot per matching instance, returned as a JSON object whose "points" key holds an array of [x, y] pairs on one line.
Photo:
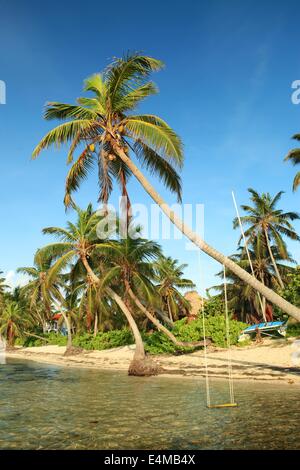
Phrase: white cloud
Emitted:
{"points": [[13, 279]]}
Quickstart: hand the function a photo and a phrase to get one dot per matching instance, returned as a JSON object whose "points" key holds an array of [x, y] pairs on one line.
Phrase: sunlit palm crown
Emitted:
{"points": [[44, 281], [264, 215], [105, 120]]}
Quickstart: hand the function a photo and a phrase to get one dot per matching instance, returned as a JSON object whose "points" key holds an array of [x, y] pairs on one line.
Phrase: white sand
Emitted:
{"points": [[271, 360]]}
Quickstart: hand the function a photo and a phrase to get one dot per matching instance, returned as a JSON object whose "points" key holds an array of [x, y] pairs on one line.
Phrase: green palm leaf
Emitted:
{"points": [[64, 133], [156, 134]]}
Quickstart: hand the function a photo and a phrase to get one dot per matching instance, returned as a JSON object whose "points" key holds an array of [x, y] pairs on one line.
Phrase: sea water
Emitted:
{"points": [[52, 407]]}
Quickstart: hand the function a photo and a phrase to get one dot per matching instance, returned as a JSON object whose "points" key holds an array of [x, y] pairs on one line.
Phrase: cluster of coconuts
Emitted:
{"points": [[108, 155], [119, 130]]}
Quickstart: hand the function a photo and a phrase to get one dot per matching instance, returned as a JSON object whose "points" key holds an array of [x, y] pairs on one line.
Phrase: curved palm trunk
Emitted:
{"points": [[139, 345], [140, 365], [273, 260], [96, 325], [161, 327], [139, 351], [68, 325], [169, 309], [264, 302], [228, 263], [10, 334]]}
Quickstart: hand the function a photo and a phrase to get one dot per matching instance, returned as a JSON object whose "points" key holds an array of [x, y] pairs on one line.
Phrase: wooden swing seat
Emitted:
{"points": [[223, 405]]}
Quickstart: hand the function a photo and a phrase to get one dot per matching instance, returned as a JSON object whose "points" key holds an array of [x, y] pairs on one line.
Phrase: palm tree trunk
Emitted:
{"points": [[228, 263], [161, 327], [263, 300], [96, 325], [139, 345], [140, 365], [68, 325], [169, 309], [139, 350], [273, 260]]}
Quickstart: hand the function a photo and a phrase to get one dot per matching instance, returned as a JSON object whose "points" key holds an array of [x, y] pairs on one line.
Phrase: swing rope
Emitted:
{"points": [[230, 377], [229, 360], [205, 357]]}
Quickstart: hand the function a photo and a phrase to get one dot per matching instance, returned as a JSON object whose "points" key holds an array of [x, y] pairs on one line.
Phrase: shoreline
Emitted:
{"points": [[268, 362]]}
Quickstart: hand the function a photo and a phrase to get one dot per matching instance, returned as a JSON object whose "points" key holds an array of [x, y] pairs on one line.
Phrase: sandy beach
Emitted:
{"points": [[270, 361]]}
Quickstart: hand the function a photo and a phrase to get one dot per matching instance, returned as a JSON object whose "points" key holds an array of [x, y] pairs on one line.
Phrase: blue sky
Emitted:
{"points": [[226, 90]]}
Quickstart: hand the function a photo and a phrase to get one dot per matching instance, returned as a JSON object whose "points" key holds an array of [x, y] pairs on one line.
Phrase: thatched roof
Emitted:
{"points": [[195, 300]]}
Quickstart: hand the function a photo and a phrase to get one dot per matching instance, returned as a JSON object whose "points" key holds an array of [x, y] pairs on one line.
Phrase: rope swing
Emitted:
{"points": [[232, 402]]}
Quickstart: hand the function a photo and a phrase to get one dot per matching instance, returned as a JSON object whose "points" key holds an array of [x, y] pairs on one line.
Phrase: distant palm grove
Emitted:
{"points": [[88, 292]]}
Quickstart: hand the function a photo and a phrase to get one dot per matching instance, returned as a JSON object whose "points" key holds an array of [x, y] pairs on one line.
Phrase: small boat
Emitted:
{"points": [[267, 329]]}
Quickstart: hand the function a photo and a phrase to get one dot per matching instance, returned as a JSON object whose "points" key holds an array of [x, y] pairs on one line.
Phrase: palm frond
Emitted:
{"points": [[128, 72], [64, 133], [77, 173], [296, 181], [131, 100], [156, 134], [160, 167], [56, 110]]}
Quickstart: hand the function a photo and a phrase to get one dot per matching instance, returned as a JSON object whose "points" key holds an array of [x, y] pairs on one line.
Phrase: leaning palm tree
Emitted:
{"points": [[268, 224], [132, 261], [294, 157], [79, 243], [109, 134]]}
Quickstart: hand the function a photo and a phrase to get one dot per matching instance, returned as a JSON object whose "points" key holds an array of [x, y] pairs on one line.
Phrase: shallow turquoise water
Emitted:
{"points": [[50, 407]]}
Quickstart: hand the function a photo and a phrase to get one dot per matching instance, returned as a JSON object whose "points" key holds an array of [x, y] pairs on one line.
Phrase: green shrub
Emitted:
{"points": [[158, 343], [215, 329], [155, 343], [244, 343], [293, 330], [107, 340], [214, 307], [50, 339]]}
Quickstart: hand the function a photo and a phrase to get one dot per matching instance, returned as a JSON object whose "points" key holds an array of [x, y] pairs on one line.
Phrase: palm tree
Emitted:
{"points": [[131, 261], [111, 135], [294, 157], [242, 299], [3, 288], [169, 276], [268, 224], [68, 309], [79, 242], [42, 287], [93, 305], [12, 322]]}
